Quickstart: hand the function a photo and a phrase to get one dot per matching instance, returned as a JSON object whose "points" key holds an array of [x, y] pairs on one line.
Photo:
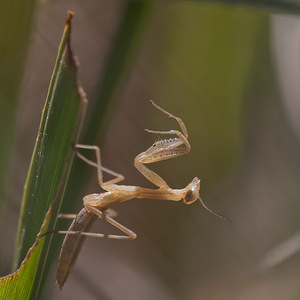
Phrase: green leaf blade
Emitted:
{"points": [[19, 285], [48, 173]]}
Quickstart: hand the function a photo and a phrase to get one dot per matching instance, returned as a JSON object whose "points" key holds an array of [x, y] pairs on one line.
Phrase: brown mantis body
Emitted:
{"points": [[98, 205]]}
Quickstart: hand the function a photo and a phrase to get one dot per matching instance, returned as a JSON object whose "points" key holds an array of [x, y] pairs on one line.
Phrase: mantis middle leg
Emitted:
{"points": [[100, 168]]}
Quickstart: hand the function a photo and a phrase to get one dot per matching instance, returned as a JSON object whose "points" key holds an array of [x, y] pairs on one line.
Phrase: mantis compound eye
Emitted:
{"points": [[190, 197], [192, 193]]}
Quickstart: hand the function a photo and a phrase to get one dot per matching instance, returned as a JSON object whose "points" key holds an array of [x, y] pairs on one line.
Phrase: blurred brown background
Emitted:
{"points": [[232, 75]]}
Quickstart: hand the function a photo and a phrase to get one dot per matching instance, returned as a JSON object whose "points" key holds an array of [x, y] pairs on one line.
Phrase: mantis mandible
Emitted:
{"points": [[98, 205]]}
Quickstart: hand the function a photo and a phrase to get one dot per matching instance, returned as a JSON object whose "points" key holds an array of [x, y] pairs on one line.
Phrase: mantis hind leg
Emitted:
{"points": [[107, 216], [129, 233], [109, 212]]}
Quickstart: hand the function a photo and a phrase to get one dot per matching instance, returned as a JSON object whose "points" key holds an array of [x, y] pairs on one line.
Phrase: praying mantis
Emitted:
{"points": [[99, 205]]}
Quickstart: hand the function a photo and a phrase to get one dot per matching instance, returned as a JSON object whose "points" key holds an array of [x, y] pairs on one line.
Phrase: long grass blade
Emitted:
{"points": [[48, 173]]}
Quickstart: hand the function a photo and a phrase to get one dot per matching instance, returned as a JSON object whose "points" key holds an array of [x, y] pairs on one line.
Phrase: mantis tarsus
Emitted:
{"points": [[98, 205]]}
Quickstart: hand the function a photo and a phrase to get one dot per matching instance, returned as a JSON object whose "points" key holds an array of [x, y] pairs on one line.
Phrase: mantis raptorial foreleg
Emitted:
{"points": [[179, 121]]}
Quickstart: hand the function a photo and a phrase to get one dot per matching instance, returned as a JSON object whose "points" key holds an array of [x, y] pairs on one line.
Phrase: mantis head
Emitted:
{"points": [[192, 194]]}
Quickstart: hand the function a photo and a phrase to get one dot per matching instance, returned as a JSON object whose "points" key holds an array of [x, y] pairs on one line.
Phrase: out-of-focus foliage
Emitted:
{"points": [[15, 25], [212, 58], [271, 6]]}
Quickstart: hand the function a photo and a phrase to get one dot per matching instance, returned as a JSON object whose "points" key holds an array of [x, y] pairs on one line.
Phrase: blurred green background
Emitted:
{"points": [[231, 73]]}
